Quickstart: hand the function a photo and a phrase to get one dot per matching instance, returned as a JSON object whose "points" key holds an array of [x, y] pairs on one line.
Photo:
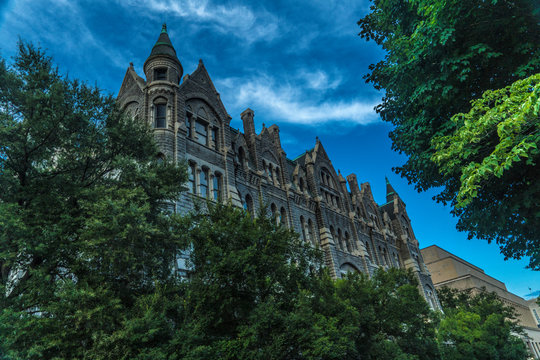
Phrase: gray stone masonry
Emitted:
{"points": [[305, 194]]}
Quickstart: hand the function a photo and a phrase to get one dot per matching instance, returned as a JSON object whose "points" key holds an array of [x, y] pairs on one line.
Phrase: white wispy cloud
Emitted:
{"points": [[234, 19], [62, 24], [296, 104]]}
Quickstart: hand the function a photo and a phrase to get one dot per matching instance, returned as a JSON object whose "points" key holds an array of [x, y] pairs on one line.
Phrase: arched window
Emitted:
{"points": [[160, 117], [273, 210], [189, 115], [430, 297], [241, 156], [385, 256], [347, 268], [216, 187], [203, 183], [303, 228], [301, 184], [160, 158], [276, 178], [333, 233], [249, 204], [192, 187], [283, 216], [311, 232], [340, 240], [269, 173]]}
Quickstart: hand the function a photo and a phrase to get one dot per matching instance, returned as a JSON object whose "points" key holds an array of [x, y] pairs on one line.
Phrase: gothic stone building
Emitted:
{"points": [[191, 124]]}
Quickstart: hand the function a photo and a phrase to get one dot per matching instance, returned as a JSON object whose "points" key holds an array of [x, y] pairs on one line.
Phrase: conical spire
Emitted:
{"points": [[163, 49], [163, 45], [389, 189]]}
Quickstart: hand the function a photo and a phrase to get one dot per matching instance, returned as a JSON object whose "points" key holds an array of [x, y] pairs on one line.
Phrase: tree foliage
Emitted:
{"points": [[494, 153], [257, 292], [440, 56], [478, 327], [83, 227]]}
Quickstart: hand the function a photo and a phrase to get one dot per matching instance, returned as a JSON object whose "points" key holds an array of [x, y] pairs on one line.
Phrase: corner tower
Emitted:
{"points": [[163, 73], [163, 64]]}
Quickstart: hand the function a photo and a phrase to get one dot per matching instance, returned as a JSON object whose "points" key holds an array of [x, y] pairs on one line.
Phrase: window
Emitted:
{"points": [[160, 74], [269, 173], [277, 176], [241, 156], [214, 137], [301, 185], [203, 183], [283, 217], [248, 204], [191, 179], [385, 256], [202, 132], [311, 233], [161, 116], [273, 210], [188, 125], [160, 158], [216, 190], [303, 227]]}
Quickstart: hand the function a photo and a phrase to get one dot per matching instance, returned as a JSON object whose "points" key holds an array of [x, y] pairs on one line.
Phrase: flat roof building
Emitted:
{"points": [[447, 269]]}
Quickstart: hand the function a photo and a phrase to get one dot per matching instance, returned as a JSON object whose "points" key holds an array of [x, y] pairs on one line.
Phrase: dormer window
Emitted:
{"points": [[160, 74]]}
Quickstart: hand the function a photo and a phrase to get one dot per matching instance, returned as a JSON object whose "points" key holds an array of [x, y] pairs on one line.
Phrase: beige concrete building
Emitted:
{"points": [[447, 269]]}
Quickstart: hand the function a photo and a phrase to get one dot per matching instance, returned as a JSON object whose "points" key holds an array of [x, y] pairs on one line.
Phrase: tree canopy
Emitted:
{"points": [[478, 326], [440, 56], [84, 226]]}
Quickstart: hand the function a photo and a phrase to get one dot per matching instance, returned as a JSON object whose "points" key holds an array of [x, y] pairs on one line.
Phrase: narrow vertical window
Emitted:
{"points": [[214, 137], [203, 183], [311, 232], [216, 187], [303, 226], [161, 116], [191, 179], [202, 133], [188, 125]]}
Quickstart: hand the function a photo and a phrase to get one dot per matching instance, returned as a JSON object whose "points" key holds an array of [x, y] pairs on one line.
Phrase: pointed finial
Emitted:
{"points": [[164, 28], [387, 181]]}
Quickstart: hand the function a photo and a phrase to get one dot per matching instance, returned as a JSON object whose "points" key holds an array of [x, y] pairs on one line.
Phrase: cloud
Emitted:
{"points": [[238, 20], [296, 104], [63, 25]]}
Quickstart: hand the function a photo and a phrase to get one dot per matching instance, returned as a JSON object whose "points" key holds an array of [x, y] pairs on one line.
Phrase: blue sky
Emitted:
{"points": [[298, 64]]}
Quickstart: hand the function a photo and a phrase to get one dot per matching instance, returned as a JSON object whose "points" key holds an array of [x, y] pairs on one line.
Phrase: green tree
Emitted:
{"points": [[440, 56], [257, 292], [478, 327], [85, 230], [494, 153]]}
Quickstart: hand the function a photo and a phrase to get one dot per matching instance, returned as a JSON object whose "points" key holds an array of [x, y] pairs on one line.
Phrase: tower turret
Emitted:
{"points": [[163, 64]]}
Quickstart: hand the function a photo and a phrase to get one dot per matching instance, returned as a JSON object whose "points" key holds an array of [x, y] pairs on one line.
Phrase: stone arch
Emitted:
{"points": [[347, 267]]}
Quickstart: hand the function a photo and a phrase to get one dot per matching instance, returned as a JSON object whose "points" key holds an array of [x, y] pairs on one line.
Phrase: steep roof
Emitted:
{"points": [[163, 46]]}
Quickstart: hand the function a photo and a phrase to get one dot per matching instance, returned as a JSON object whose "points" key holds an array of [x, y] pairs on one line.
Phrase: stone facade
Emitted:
{"points": [[249, 169]]}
